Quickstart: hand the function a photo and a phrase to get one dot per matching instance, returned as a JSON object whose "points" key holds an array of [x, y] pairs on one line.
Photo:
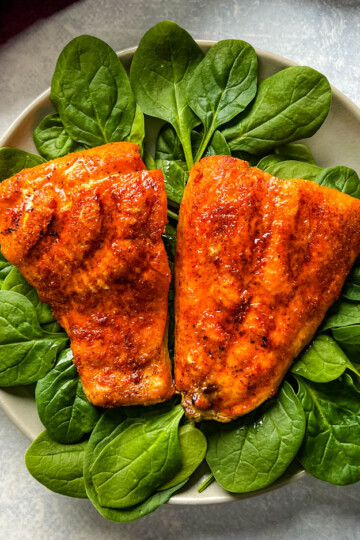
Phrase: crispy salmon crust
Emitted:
{"points": [[259, 261], [85, 231]]}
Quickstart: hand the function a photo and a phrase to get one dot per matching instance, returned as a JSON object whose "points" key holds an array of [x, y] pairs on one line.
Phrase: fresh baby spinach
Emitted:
{"points": [[160, 71], [348, 338], [168, 145], [5, 269], [322, 361], [222, 85], [341, 178], [331, 446], [252, 452], [351, 289], [175, 178], [290, 105], [52, 140], [342, 313], [297, 151], [137, 132], [193, 449], [27, 353], [13, 161], [57, 466], [137, 450], [16, 282], [291, 169], [91, 92], [62, 405]]}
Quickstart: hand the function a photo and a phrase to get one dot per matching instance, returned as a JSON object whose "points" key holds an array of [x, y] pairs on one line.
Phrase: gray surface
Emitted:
{"points": [[323, 34]]}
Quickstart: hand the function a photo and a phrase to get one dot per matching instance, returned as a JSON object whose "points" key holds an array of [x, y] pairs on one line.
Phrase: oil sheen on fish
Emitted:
{"points": [[259, 261], [85, 231]]}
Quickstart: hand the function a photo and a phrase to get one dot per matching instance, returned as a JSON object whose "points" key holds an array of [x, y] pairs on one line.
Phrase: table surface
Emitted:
{"points": [[323, 34]]}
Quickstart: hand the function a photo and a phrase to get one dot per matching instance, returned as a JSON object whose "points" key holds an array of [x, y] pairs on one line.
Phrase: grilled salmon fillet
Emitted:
{"points": [[259, 261], [85, 231]]}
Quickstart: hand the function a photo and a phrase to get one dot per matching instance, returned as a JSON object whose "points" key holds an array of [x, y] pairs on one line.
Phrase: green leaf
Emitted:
{"points": [[169, 238], [296, 151], [322, 361], [351, 289], [349, 339], [92, 92], [160, 71], [193, 449], [217, 146], [175, 178], [27, 353], [290, 105], [5, 269], [291, 169], [168, 145], [13, 161], [137, 450], [342, 313], [137, 132], [62, 405], [331, 446], [58, 467], [52, 140], [341, 178], [222, 85], [16, 282], [252, 452]]}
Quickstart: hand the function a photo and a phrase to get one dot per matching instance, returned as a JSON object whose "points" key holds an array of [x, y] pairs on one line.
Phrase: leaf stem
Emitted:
{"points": [[173, 215], [209, 480]]}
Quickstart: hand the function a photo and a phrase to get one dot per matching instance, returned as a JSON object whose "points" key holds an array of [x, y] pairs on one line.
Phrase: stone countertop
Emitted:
{"points": [[321, 33]]}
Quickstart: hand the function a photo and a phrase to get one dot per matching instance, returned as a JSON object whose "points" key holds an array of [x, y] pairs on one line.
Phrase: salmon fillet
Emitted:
{"points": [[259, 261], [85, 231]]}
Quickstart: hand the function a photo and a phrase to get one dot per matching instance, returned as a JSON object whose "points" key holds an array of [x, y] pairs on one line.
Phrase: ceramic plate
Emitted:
{"points": [[336, 143]]}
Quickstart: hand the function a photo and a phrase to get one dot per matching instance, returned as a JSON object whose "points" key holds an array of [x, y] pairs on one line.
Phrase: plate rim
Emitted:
{"points": [[42, 99]]}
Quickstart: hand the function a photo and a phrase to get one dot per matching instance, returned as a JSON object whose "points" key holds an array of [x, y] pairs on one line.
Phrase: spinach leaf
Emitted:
{"points": [[322, 361], [52, 140], [290, 105], [341, 178], [193, 449], [13, 161], [175, 178], [349, 339], [169, 238], [168, 145], [139, 451], [5, 269], [268, 161], [137, 132], [342, 313], [52, 327], [160, 71], [61, 403], [222, 85], [253, 451], [292, 169], [58, 467], [331, 446], [296, 151], [245, 156], [16, 282], [351, 289], [27, 353], [91, 92], [218, 145]]}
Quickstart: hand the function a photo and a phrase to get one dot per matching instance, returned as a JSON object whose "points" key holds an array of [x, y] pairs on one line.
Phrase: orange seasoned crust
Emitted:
{"points": [[259, 262], [85, 231]]}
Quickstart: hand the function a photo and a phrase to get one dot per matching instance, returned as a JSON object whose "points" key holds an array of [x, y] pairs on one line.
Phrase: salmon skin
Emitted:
{"points": [[259, 262], [85, 231]]}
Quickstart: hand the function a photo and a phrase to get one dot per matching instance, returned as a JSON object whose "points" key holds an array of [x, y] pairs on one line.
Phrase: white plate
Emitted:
{"points": [[336, 143]]}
